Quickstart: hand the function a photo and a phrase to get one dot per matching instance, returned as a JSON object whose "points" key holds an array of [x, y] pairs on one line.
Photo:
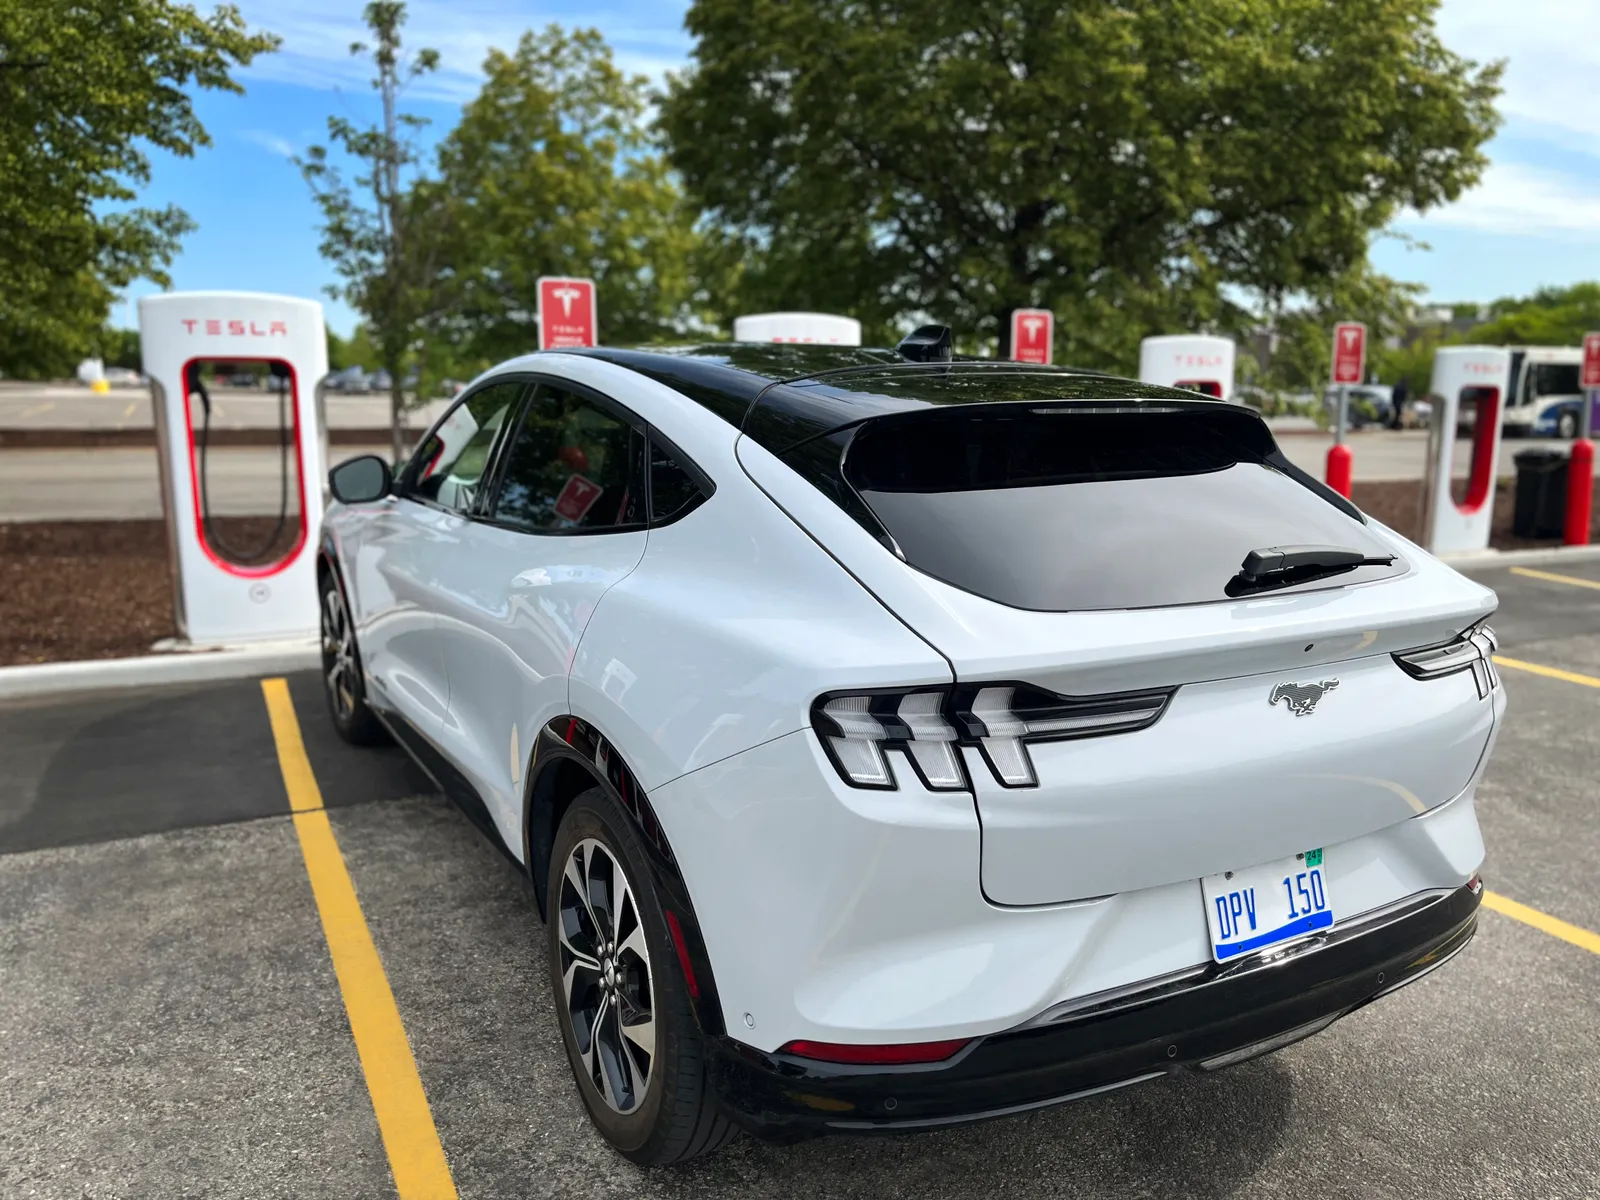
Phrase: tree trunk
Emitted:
{"points": [[397, 408]]}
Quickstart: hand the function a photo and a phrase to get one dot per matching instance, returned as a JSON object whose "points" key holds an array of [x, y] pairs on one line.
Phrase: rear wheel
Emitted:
{"points": [[342, 681], [1567, 425], [624, 1009]]}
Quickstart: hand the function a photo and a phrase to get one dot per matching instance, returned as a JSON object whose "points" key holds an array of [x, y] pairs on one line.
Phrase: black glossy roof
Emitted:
{"points": [[781, 395]]}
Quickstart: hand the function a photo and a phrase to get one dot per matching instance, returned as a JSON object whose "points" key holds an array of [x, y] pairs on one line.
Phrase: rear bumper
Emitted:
{"points": [[1215, 1013]]}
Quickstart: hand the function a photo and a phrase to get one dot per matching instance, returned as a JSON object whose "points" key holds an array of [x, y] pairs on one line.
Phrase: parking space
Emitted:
{"points": [[180, 1014]]}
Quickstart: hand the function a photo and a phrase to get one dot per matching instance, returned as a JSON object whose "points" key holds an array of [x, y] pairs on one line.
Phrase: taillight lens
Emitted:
{"points": [[857, 729], [1472, 651], [930, 725]]}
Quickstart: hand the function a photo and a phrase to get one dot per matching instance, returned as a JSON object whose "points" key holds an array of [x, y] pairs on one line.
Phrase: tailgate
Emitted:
{"points": [[1227, 779]]}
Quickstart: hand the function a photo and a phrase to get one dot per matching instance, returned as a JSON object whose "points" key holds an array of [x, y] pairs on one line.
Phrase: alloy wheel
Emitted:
{"points": [[605, 976], [338, 652]]}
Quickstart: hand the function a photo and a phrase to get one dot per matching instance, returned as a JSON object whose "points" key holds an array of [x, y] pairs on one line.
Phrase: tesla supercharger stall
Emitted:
{"points": [[1469, 389], [239, 576], [798, 327], [1195, 362]]}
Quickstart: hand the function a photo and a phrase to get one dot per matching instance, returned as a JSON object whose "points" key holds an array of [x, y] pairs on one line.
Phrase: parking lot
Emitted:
{"points": [[221, 929]]}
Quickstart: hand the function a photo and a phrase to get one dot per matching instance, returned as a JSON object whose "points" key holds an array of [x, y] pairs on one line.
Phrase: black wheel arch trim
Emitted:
{"points": [[571, 740]]}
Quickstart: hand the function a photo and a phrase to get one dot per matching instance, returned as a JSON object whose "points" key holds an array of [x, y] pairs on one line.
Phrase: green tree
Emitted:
{"points": [[85, 87], [379, 230], [1126, 163], [550, 172], [1552, 316]]}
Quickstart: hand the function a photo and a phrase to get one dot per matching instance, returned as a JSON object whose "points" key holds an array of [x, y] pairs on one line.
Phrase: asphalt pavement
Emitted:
{"points": [[172, 1023]]}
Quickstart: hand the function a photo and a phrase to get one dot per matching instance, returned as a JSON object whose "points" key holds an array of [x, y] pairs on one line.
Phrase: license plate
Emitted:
{"points": [[1261, 906]]}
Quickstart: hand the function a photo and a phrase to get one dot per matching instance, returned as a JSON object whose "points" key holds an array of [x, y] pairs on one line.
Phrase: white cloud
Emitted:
{"points": [[1527, 201], [1553, 48], [647, 38], [269, 141]]}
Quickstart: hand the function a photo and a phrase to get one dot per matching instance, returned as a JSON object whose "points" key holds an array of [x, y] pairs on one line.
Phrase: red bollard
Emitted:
{"points": [[1580, 492], [1340, 466]]}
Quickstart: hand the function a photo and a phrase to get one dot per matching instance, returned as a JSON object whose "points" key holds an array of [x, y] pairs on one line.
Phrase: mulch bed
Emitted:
{"points": [[90, 589], [102, 589]]}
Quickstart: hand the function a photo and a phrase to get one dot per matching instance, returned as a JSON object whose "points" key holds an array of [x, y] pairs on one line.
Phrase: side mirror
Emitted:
{"points": [[360, 480]]}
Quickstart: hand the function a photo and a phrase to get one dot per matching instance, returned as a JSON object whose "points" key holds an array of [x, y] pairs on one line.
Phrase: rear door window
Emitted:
{"points": [[1092, 506], [574, 466]]}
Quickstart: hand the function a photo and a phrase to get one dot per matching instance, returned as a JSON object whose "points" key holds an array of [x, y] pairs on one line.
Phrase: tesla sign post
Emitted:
{"points": [[1349, 366], [566, 313], [1591, 379], [1033, 334]]}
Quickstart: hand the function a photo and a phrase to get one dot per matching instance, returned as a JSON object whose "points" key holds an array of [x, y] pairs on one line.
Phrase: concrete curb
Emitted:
{"points": [[154, 670], [1489, 559]]}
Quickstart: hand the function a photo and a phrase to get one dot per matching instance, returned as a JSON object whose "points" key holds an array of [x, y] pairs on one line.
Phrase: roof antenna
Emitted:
{"points": [[931, 343]]}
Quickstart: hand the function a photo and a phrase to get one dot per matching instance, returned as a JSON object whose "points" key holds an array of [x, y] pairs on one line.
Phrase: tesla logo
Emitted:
{"points": [[1301, 698], [1350, 337], [220, 328], [576, 498], [1032, 334], [566, 313], [1480, 368], [566, 295]]}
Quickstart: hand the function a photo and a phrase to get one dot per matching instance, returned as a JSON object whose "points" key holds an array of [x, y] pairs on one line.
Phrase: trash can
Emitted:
{"points": [[1541, 502]]}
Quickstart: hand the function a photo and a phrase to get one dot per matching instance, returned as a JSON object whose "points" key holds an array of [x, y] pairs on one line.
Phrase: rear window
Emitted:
{"points": [[1093, 507]]}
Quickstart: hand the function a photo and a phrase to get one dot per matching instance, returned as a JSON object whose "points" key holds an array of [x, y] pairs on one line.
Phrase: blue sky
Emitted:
{"points": [[1534, 220]]}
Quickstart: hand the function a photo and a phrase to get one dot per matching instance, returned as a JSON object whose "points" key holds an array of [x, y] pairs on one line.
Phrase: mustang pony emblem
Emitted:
{"points": [[1301, 698]]}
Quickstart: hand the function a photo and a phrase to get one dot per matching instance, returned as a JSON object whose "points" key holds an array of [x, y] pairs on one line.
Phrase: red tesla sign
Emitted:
{"points": [[1349, 352], [566, 313], [1591, 360], [1033, 334]]}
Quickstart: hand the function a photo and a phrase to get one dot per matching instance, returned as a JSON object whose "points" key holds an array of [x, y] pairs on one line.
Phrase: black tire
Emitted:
{"points": [[671, 1116], [1567, 426], [342, 681]]}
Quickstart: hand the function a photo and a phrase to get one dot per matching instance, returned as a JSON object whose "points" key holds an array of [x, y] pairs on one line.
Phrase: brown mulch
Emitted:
{"points": [[101, 589], [89, 589], [1398, 504]]}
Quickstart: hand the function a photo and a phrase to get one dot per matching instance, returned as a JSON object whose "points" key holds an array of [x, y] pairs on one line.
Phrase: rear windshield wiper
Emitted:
{"points": [[1283, 566]]}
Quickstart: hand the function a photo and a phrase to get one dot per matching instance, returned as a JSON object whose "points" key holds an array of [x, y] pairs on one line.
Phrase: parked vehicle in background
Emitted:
{"points": [[352, 380], [1542, 378], [379, 381], [124, 377], [244, 379], [1369, 403]]}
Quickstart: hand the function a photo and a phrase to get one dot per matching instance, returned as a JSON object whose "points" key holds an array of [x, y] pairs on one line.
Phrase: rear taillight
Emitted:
{"points": [[857, 729], [999, 719], [1472, 651]]}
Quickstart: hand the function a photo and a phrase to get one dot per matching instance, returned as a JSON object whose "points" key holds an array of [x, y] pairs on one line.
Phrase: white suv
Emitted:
{"points": [[894, 741]]}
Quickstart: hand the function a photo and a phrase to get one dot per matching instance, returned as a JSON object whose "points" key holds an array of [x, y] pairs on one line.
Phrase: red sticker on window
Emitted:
{"points": [[577, 498]]}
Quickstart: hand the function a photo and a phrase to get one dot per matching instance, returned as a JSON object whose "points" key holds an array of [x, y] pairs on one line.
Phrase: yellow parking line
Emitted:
{"points": [[1516, 664], [1554, 578], [415, 1156], [1543, 922]]}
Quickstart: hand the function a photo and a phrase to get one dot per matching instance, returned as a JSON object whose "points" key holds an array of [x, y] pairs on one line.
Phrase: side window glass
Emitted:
{"points": [[672, 489], [572, 466], [448, 468]]}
